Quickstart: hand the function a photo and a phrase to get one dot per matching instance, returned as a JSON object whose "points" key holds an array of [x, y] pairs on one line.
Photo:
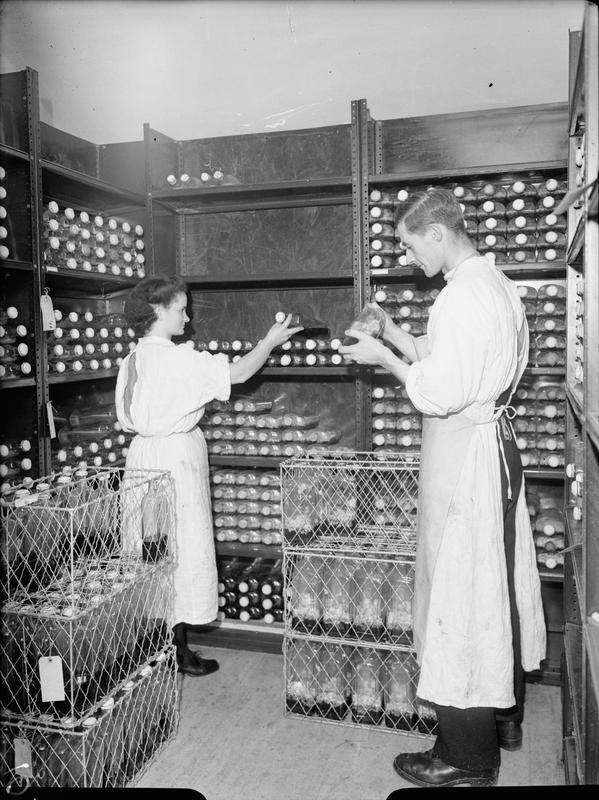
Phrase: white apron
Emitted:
{"points": [[461, 615], [166, 394]]}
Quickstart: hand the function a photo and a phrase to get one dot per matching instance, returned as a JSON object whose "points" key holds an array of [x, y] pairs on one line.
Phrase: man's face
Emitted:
{"points": [[423, 249]]}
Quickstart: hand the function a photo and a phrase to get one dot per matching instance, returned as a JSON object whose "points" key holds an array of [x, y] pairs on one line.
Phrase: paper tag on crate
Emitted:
{"points": [[48, 318], [23, 757], [51, 679]]}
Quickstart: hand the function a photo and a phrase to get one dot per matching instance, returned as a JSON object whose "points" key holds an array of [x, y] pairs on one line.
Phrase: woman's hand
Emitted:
{"points": [[280, 332], [367, 350]]}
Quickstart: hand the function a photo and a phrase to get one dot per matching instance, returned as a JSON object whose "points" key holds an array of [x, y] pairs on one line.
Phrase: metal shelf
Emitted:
{"points": [[247, 549], [425, 176], [520, 269], [16, 383], [23, 266], [282, 194], [245, 462], [591, 633], [100, 374], [545, 474], [95, 282], [572, 637], [290, 372], [575, 402], [69, 186], [6, 151], [243, 282]]}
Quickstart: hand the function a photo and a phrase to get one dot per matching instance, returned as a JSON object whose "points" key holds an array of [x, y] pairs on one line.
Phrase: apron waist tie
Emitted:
{"points": [[507, 433]]}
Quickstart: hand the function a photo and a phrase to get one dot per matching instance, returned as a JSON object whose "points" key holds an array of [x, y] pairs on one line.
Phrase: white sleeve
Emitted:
{"points": [[449, 378]]}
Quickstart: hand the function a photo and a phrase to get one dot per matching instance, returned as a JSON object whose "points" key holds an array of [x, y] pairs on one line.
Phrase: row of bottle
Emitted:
{"points": [[299, 352], [580, 177], [208, 175], [78, 240], [251, 590], [109, 748], [16, 357], [478, 193], [84, 342], [351, 598], [366, 685], [4, 221], [271, 449]]}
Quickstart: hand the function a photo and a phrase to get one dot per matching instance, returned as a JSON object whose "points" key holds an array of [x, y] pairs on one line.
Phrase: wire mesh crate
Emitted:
{"points": [[65, 525], [354, 598], [356, 685], [110, 749], [59, 659], [350, 502]]}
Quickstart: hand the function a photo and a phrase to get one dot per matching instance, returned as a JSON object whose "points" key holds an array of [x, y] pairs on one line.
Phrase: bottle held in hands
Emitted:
{"points": [[371, 320]]}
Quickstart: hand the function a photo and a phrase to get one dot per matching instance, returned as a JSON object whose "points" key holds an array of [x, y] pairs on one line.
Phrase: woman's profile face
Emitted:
{"points": [[174, 316]]}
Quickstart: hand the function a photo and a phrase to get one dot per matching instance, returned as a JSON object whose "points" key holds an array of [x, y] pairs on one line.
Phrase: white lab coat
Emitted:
{"points": [[171, 385], [478, 348]]}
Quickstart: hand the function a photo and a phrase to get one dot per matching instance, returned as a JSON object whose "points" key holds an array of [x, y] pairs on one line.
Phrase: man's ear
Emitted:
{"points": [[436, 231]]}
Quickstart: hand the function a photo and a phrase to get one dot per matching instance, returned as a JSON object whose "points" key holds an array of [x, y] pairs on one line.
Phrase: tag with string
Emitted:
{"points": [[48, 318], [51, 679]]}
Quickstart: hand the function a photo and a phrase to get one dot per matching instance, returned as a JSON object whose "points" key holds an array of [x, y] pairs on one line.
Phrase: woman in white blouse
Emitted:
{"points": [[161, 393], [477, 613]]}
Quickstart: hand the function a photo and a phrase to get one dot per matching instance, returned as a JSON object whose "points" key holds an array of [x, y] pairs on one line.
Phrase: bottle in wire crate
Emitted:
{"points": [[337, 575], [367, 687], [300, 679], [426, 717], [401, 674], [399, 591], [368, 601], [154, 521], [333, 681], [305, 594]]}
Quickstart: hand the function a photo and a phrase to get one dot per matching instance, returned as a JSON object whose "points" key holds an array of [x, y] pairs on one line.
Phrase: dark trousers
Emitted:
{"points": [[467, 736]]}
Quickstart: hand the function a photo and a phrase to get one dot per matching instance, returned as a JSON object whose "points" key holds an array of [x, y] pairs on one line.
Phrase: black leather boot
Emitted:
{"points": [[427, 769], [191, 663]]}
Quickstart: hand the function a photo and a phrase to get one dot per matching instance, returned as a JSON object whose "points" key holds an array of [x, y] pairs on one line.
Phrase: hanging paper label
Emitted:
{"points": [[51, 679], [51, 426], [48, 319], [23, 757]]}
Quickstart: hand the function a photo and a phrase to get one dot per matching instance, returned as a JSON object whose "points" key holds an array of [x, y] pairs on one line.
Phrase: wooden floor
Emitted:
{"points": [[234, 741]]}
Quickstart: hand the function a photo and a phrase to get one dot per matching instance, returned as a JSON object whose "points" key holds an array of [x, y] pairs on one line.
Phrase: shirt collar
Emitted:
{"points": [[156, 340], [490, 257]]}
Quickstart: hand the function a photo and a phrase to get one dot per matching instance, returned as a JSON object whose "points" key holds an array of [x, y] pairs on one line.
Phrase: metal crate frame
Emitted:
{"points": [[112, 749]]}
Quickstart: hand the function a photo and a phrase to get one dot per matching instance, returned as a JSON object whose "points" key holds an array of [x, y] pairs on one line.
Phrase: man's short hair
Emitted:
{"points": [[433, 205]]}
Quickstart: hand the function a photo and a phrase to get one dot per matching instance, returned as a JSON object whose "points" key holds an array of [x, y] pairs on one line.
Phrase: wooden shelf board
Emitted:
{"points": [[425, 176], [83, 376], [16, 383], [8, 264], [243, 282], [95, 281], [524, 268], [14, 153]]}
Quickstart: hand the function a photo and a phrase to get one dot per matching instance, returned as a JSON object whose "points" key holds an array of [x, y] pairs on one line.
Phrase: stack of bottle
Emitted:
{"points": [[396, 424], [4, 248], [514, 219], [84, 342], [545, 307], [539, 423], [81, 240], [88, 685], [249, 428], [251, 590], [16, 356], [246, 506], [407, 306], [546, 510], [357, 685], [16, 464], [90, 436]]}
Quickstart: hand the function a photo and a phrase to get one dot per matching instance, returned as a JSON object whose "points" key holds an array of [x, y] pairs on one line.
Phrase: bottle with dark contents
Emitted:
{"points": [[300, 678], [368, 601], [401, 675], [426, 718], [154, 521], [367, 688], [333, 681]]}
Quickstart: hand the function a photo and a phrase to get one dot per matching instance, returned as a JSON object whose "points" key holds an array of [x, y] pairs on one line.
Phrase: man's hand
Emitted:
{"points": [[367, 350]]}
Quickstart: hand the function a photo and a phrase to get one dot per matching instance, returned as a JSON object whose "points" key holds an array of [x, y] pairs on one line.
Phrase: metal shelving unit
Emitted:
{"points": [[581, 569]]}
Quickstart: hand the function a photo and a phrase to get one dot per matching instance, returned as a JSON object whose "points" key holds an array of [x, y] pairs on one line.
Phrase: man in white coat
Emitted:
{"points": [[477, 613]]}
